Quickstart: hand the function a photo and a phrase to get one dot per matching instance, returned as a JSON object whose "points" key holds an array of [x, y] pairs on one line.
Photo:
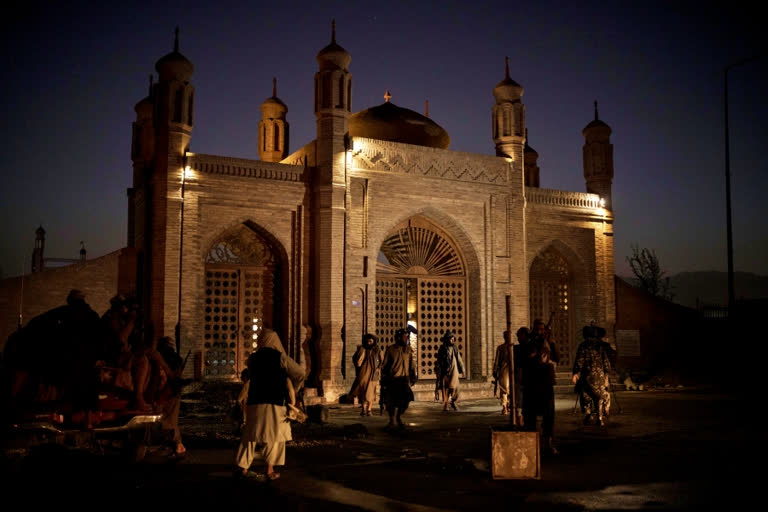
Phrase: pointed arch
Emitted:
{"points": [[557, 290], [426, 279], [244, 285]]}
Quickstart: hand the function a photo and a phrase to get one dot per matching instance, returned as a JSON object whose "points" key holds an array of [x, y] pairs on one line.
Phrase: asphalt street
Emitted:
{"points": [[667, 449]]}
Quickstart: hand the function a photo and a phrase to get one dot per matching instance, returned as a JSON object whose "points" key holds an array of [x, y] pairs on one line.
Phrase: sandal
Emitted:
{"points": [[273, 476]]}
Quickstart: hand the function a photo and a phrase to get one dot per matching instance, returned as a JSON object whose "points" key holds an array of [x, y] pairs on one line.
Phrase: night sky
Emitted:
{"points": [[73, 72]]}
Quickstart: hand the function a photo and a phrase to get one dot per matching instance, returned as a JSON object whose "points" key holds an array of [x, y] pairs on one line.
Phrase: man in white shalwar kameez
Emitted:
{"points": [[275, 378]]}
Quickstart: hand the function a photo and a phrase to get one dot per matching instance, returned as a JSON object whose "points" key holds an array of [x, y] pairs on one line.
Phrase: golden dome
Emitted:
{"points": [[397, 124]]}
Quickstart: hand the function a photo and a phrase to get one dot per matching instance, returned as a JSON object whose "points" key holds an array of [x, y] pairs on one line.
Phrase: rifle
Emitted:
{"points": [[549, 322], [177, 382]]}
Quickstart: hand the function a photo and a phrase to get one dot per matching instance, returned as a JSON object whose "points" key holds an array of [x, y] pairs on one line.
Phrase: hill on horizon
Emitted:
{"points": [[711, 287]]}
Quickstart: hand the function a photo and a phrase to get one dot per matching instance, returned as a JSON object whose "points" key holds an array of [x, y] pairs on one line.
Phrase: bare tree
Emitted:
{"points": [[645, 265]]}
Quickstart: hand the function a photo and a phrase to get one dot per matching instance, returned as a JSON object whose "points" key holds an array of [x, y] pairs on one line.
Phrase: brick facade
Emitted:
{"points": [[99, 278], [324, 213]]}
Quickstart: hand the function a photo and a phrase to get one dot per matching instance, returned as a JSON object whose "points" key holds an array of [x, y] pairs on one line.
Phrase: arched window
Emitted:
{"points": [[340, 104], [177, 107], [349, 95], [276, 147], [190, 117]]}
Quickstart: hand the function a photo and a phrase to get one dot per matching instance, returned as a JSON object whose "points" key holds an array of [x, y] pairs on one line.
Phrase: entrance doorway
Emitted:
{"points": [[550, 283], [421, 281], [241, 298]]}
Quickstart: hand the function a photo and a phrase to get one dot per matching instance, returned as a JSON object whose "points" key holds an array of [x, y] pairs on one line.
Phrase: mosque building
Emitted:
{"points": [[337, 238]]}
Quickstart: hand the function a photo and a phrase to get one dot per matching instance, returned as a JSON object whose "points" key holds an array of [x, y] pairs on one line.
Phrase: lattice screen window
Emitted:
{"points": [[390, 309], [549, 292], [220, 326], [252, 312], [441, 308], [239, 296]]}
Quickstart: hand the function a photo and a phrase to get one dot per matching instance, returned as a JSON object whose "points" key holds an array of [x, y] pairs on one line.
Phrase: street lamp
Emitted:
{"points": [[177, 330], [731, 291]]}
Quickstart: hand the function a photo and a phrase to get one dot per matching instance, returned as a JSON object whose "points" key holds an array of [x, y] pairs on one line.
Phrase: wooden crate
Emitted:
{"points": [[515, 455]]}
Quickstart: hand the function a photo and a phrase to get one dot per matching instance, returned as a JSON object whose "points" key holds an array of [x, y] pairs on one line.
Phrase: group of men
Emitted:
{"points": [[66, 353], [526, 387], [396, 373]]}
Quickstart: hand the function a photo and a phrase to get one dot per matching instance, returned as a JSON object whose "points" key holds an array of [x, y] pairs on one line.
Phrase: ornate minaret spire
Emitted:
{"points": [[387, 96], [426, 108], [176, 40], [508, 117], [273, 128], [598, 159]]}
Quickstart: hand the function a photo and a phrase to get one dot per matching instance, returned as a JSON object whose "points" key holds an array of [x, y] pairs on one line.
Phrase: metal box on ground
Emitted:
{"points": [[515, 455]]}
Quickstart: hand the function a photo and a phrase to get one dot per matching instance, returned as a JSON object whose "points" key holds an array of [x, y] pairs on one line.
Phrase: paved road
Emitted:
{"points": [[666, 450]]}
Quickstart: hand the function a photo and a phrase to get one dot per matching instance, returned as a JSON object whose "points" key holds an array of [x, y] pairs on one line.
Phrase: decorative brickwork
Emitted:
{"points": [[401, 158]]}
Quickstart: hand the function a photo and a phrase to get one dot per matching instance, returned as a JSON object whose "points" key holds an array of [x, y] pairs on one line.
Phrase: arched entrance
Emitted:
{"points": [[421, 281], [242, 276], [551, 285]]}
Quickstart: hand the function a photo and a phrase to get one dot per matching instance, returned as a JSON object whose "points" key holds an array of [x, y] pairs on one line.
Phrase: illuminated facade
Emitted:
{"points": [[338, 238]]}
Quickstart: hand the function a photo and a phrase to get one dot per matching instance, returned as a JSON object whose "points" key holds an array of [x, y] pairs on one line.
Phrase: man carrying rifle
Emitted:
{"points": [[591, 368], [539, 356]]}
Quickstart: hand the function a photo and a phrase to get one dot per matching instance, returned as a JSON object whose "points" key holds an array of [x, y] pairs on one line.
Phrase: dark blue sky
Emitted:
{"points": [[73, 73]]}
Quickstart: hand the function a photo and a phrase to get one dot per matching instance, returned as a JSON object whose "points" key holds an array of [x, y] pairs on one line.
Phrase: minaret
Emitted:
{"points": [[273, 128], [142, 155], [598, 159], [82, 251], [333, 99], [38, 261], [333, 103], [530, 168], [509, 118], [173, 100]]}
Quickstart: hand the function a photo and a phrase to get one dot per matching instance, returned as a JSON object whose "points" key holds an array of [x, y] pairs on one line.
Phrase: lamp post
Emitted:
{"points": [[731, 290], [177, 330]]}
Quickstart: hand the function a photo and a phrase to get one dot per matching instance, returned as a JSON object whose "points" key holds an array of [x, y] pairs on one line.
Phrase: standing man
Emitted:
{"points": [[449, 366], [367, 361], [501, 371], [590, 376], [275, 377], [398, 374], [539, 356]]}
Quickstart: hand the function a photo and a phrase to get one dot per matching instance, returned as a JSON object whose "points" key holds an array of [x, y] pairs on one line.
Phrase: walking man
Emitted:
{"points": [[449, 366], [539, 356], [591, 368], [398, 374]]}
